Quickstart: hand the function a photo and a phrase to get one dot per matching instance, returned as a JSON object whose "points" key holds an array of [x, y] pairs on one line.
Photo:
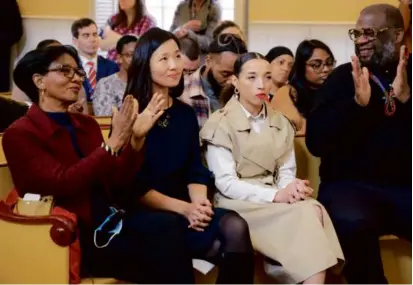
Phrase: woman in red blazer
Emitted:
{"points": [[53, 152]]}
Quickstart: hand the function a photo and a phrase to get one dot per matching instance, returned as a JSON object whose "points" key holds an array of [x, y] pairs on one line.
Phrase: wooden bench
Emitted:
{"points": [[48, 261]]}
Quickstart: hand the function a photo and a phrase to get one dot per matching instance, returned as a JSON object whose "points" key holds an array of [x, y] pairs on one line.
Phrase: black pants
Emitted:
{"points": [[151, 248], [361, 213]]}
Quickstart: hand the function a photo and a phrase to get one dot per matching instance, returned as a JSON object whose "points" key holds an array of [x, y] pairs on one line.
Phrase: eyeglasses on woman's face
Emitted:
{"points": [[318, 65], [69, 71]]}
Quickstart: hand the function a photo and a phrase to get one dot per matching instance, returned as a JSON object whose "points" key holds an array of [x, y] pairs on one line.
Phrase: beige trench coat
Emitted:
{"points": [[288, 233]]}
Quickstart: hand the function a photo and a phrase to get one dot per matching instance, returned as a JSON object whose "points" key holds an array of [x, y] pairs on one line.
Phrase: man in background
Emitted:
{"points": [[205, 85], [86, 40], [191, 54]]}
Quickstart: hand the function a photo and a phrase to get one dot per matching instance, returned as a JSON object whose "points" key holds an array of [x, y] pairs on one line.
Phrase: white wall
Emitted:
{"points": [[262, 36], [36, 30]]}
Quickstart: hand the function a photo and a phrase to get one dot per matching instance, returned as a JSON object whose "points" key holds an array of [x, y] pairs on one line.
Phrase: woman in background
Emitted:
{"points": [[197, 19], [314, 62], [173, 176], [250, 150], [281, 60], [132, 18], [228, 27]]}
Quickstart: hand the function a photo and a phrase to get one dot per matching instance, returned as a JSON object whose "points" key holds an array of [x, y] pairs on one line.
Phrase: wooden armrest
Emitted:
{"points": [[62, 232]]}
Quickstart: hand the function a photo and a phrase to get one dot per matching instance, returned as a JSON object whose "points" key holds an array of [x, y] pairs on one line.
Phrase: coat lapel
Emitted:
{"points": [[264, 148]]}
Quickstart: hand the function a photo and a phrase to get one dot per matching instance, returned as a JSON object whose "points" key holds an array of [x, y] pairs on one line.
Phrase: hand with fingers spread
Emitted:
{"points": [[122, 123], [149, 116], [198, 215], [400, 84], [361, 79]]}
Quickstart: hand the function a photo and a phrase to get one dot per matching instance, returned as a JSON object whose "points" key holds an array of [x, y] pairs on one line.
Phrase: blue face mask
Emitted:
{"points": [[111, 227]]}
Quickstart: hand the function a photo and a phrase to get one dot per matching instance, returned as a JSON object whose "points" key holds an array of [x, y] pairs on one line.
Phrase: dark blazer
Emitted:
{"points": [[42, 160], [106, 67]]}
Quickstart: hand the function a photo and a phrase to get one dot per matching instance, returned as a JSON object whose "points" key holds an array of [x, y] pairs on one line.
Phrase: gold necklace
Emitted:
{"points": [[163, 121]]}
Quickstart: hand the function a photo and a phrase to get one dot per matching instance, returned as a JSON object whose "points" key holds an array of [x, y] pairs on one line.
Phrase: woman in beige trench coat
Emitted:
{"points": [[250, 150]]}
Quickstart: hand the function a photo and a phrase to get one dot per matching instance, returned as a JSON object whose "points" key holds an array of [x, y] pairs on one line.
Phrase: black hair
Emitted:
{"points": [[222, 26], [38, 62], [46, 43], [229, 90], [393, 17], [278, 51], [304, 100], [227, 42], [139, 73], [190, 48], [121, 20], [124, 40], [79, 24]]}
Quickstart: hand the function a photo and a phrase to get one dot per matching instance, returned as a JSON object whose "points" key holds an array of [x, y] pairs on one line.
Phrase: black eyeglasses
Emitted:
{"points": [[369, 33], [69, 71], [318, 65], [128, 55]]}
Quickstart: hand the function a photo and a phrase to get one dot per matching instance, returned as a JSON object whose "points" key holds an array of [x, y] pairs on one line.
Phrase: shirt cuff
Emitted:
{"points": [[267, 195]]}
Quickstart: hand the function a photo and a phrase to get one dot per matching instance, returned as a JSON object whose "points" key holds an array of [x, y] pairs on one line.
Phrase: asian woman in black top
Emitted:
{"points": [[172, 176]]}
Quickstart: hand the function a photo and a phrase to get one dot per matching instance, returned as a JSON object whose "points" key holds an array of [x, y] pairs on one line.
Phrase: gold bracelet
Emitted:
{"points": [[109, 150]]}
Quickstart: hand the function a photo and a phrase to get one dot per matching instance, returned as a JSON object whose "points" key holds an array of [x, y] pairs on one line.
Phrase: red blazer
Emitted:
{"points": [[42, 160]]}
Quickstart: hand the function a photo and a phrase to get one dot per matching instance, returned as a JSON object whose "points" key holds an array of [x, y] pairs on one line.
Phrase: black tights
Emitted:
{"points": [[236, 265]]}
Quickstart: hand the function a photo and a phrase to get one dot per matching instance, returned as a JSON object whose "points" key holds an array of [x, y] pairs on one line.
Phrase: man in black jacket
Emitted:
{"points": [[361, 127], [11, 30]]}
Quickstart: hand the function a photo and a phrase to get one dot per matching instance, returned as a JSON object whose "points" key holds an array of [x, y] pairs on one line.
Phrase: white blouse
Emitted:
{"points": [[221, 163]]}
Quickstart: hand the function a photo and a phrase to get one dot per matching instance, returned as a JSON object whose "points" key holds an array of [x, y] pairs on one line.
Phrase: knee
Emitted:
{"points": [[238, 225], [319, 213]]}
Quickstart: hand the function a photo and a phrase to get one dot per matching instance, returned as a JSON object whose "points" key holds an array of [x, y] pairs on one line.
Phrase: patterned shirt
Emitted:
{"points": [[195, 95], [140, 28], [109, 92]]}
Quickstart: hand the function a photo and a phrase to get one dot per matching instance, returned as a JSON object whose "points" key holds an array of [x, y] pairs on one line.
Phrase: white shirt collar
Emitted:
{"points": [[84, 61], [261, 116]]}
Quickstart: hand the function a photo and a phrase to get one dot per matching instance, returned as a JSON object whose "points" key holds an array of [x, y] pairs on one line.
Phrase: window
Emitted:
{"points": [[103, 10], [162, 10]]}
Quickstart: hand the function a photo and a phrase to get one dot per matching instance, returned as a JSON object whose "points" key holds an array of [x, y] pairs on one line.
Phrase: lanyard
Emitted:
{"points": [[113, 231], [389, 103]]}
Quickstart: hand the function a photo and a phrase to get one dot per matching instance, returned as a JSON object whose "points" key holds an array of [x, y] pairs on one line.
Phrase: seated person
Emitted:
{"points": [[79, 107], [110, 90], [10, 111], [191, 55], [250, 150], [228, 27], [361, 128], [205, 85], [86, 40], [52, 152], [172, 174], [281, 60], [314, 61]]}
